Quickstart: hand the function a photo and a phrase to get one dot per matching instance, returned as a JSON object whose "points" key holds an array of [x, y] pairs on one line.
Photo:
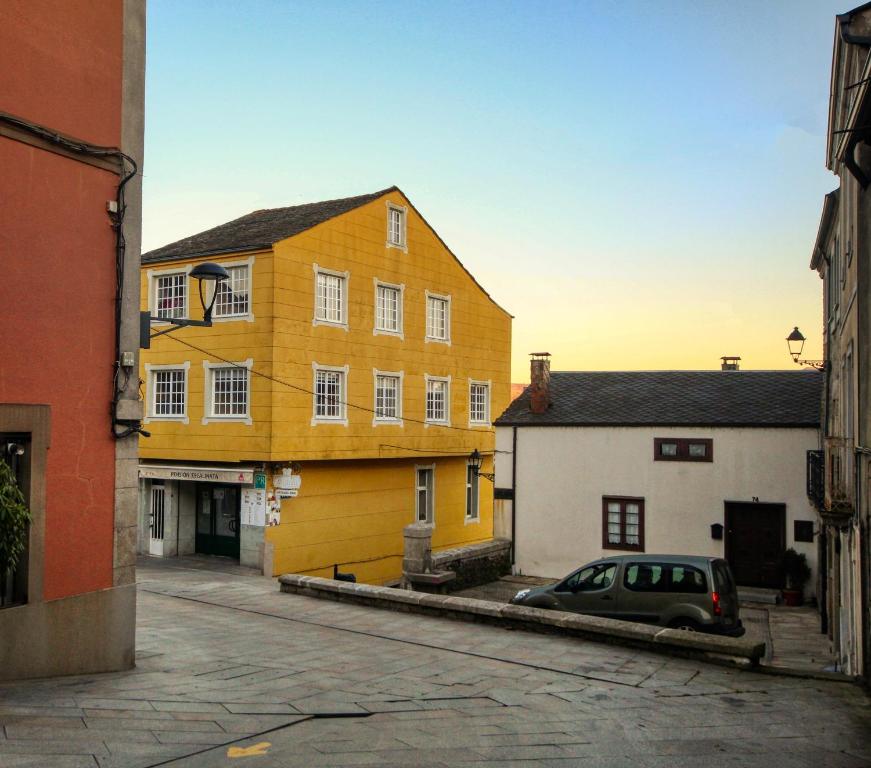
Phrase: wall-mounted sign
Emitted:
{"points": [[197, 474], [290, 493], [260, 480], [253, 505]]}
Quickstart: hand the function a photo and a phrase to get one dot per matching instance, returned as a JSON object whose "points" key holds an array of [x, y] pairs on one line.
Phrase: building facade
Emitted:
{"points": [[841, 258], [71, 119], [709, 463], [353, 366]]}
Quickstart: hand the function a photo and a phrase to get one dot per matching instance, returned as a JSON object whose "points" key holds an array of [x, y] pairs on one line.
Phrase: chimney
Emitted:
{"points": [[539, 379], [729, 363]]}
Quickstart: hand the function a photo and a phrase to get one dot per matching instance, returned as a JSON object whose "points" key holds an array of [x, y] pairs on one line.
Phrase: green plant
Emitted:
{"points": [[14, 517], [795, 569]]}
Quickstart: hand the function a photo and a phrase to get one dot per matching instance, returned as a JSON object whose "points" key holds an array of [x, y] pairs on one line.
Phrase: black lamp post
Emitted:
{"points": [[207, 271], [476, 460], [795, 342]]}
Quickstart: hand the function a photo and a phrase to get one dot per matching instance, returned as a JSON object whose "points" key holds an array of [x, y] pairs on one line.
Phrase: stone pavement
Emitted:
{"points": [[232, 672]]}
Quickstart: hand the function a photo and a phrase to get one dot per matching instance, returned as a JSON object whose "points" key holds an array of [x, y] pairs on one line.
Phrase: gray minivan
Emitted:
{"points": [[680, 591]]}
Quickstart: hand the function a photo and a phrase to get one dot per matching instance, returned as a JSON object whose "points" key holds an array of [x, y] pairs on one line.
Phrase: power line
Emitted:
{"points": [[310, 392]]}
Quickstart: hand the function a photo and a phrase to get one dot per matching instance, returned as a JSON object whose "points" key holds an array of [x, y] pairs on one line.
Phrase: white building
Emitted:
{"points": [[672, 462]]}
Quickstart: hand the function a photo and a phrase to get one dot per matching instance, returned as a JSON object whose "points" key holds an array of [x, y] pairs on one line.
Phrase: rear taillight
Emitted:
{"points": [[718, 611]]}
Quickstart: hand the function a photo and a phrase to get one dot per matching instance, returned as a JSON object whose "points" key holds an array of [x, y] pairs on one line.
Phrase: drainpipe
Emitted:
{"points": [[513, 491]]}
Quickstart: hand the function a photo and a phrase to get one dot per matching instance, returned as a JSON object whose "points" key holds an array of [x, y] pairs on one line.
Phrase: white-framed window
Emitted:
{"points": [[438, 399], [472, 494], [396, 225], [331, 297], [424, 489], [388, 397], [388, 308], [234, 295], [479, 402], [228, 391], [169, 292], [438, 317], [329, 403], [167, 385]]}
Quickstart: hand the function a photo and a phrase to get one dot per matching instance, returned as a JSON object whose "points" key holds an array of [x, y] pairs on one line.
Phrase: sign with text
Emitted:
{"points": [[197, 474], [253, 510]]}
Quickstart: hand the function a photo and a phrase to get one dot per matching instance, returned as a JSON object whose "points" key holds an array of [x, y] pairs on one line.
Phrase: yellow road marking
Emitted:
{"points": [[253, 751]]}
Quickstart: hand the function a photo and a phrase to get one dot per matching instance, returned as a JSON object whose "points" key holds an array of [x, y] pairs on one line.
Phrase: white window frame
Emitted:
{"points": [[346, 276], [153, 275], [430, 498], [150, 370], [447, 300], [381, 420], [473, 492], [343, 397], [447, 420], [403, 226], [209, 388], [249, 316], [376, 331], [488, 416]]}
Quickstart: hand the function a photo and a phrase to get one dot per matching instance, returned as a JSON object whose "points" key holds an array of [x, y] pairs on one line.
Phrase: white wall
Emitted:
{"points": [[563, 473]]}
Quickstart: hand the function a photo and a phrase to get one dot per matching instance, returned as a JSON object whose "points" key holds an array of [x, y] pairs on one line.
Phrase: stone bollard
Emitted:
{"points": [[417, 557]]}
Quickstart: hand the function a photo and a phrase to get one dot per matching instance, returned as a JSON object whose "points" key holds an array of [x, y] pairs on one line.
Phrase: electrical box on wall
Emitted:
{"points": [[717, 531]]}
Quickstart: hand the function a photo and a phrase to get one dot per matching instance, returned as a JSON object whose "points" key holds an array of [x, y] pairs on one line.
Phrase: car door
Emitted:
{"points": [[644, 594], [591, 590]]}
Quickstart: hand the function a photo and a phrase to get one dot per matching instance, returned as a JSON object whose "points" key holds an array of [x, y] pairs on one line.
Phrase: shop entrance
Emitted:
{"points": [[218, 511]]}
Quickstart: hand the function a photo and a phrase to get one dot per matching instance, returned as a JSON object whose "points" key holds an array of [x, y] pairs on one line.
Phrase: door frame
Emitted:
{"points": [[728, 506], [203, 541]]}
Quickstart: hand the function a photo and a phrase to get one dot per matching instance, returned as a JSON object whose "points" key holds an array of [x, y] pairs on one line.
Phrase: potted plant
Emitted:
{"points": [[796, 572], [14, 517]]}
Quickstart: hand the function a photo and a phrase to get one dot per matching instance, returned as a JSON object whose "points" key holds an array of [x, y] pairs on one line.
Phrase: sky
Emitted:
{"points": [[638, 183]]}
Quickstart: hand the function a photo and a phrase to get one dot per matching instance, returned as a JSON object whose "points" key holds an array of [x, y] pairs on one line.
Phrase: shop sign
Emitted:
{"points": [[260, 480], [197, 474]]}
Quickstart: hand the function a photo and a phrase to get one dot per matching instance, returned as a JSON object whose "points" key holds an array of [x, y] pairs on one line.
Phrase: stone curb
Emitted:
{"points": [[730, 650]]}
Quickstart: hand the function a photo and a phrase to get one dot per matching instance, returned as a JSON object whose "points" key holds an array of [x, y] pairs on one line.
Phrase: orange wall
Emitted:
{"points": [[62, 67]]}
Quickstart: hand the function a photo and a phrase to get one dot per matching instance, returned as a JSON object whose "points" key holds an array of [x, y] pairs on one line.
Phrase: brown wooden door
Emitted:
{"points": [[755, 542]]}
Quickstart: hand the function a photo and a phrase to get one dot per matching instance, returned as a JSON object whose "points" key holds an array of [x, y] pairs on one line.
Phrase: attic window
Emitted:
{"points": [[395, 226], [683, 449]]}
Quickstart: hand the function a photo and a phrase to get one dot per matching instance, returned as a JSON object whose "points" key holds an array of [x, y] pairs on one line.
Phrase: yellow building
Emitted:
{"points": [[352, 367]]}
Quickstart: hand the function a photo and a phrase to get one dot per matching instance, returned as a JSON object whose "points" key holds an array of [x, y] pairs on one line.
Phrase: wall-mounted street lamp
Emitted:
{"points": [[795, 342], [475, 461], [205, 272]]}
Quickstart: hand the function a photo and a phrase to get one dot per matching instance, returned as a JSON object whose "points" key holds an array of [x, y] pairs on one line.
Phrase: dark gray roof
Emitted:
{"points": [[676, 398], [259, 229]]}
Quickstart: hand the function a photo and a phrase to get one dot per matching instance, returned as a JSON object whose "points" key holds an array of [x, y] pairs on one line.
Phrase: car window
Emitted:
{"points": [[723, 577], [591, 578], [645, 577], [685, 578]]}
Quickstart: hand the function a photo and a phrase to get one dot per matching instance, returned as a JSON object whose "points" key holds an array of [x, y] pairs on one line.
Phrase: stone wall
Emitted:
{"points": [[474, 564]]}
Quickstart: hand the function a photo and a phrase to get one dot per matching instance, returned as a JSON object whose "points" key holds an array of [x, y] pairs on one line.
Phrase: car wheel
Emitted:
{"points": [[687, 625]]}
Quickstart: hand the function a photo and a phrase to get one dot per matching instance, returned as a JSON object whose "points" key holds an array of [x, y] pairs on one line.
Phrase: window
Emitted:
{"points": [[438, 399], [479, 402], [388, 396], [424, 492], [331, 297], [472, 495], [623, 523], [329, 398], [227, 391], [664, 577], [589, 579], [234, 295], [395, 226], [168, 386], [683, 449], [388, 308], [170, 295], [438, 317]]}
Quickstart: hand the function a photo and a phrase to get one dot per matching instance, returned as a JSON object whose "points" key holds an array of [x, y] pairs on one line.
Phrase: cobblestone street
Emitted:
{"points": [[231, 672]]}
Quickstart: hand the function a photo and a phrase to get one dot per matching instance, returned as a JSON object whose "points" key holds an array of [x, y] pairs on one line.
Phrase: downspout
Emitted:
{"points": [[513, 491]]}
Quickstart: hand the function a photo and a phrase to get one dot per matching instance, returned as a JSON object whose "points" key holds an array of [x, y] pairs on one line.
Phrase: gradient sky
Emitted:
{"points": [[639, 183]]}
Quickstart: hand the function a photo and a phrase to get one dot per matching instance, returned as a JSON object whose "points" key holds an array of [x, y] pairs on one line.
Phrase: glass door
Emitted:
{"points": [[218, 508]]}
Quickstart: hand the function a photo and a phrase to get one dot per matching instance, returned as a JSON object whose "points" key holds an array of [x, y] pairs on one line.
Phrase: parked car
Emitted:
{"points": [[694, 593]]}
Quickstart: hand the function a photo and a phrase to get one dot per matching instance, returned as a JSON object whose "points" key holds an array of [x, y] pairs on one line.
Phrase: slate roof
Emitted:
{"points": [[259, 229], [675, 398]]}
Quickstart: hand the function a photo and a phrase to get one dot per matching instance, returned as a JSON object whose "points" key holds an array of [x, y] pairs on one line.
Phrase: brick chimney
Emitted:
{"points": [[539, 379], [729, 363]]}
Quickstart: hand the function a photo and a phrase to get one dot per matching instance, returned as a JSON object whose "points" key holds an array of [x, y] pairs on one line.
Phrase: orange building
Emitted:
{"points": [[71, 99]]}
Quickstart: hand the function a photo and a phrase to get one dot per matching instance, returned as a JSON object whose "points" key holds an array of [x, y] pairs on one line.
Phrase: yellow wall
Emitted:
{"points": [[354, 513], [321, 526]]}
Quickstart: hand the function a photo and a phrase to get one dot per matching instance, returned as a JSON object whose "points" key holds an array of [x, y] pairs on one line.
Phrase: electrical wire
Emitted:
{"points": [[310, 392]]}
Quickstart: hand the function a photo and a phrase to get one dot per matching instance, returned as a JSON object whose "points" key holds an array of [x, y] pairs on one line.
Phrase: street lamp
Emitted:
{"points": [[475, 461], [795, 343], [206, 272]]}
